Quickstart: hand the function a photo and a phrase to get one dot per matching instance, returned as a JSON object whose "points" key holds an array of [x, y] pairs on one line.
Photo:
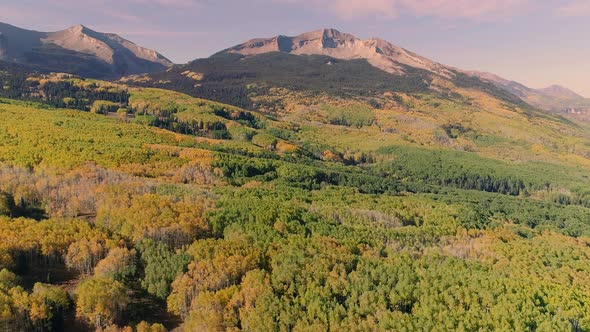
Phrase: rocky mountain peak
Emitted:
{"points": [[331, 42], [89, 53]]}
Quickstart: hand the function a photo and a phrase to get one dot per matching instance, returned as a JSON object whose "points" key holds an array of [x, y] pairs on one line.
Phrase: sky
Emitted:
{"points": [[535, 42]]}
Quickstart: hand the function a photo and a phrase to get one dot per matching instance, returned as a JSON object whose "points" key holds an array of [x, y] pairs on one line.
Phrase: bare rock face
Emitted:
{"points": [[339, 45], [78, 50], [82, 40]]}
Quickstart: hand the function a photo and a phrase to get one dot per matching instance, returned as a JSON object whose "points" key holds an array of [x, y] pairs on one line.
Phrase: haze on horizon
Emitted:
{"points": [[538, 43]]}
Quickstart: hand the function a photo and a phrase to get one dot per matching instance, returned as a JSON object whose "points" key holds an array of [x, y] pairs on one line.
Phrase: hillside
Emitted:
{"points": [[418, 106], [240, 81], [270, 188], [276, 217], [78, 50]]}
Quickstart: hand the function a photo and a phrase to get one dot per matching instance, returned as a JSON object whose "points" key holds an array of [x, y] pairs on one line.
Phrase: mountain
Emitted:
{"points": [[396, 60], [513, 87], [318, 62], [346, 198], [554, 98], [559, 91], [339, 45], [78, 50], [558, 99]]}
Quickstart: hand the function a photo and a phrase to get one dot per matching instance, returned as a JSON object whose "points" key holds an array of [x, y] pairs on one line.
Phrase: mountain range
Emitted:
{"points": [[393, 59], [78, 50], [320, 183], [554, 98], [253, 58], [85, 52]]}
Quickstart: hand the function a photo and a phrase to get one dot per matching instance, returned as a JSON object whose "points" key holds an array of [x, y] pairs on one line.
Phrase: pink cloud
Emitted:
{"points": [[351, 9], [472, 10], [122, 10], [170, 3], [575, 8], [114, 5], [119, 15], [348, 9]]}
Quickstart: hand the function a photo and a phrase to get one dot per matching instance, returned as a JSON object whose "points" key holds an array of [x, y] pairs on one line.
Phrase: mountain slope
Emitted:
{"points": [[417, 222], [326, 96], [236, 79], [349, 198], [78, 50], [416, 196]]}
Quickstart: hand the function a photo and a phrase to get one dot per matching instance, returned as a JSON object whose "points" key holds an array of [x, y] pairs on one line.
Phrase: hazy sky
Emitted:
{"points": [[536, 42]]}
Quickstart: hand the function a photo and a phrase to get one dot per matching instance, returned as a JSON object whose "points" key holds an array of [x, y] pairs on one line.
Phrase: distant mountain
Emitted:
{"points": [[78, 50], [559, 91], [554, 98]]}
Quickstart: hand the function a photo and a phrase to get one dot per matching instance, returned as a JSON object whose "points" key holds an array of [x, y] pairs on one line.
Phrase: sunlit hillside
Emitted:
{"points": [[152, 209]]}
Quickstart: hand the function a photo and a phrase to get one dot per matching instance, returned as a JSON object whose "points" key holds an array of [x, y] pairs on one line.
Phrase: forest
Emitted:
{"points": [[128, 208]]}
